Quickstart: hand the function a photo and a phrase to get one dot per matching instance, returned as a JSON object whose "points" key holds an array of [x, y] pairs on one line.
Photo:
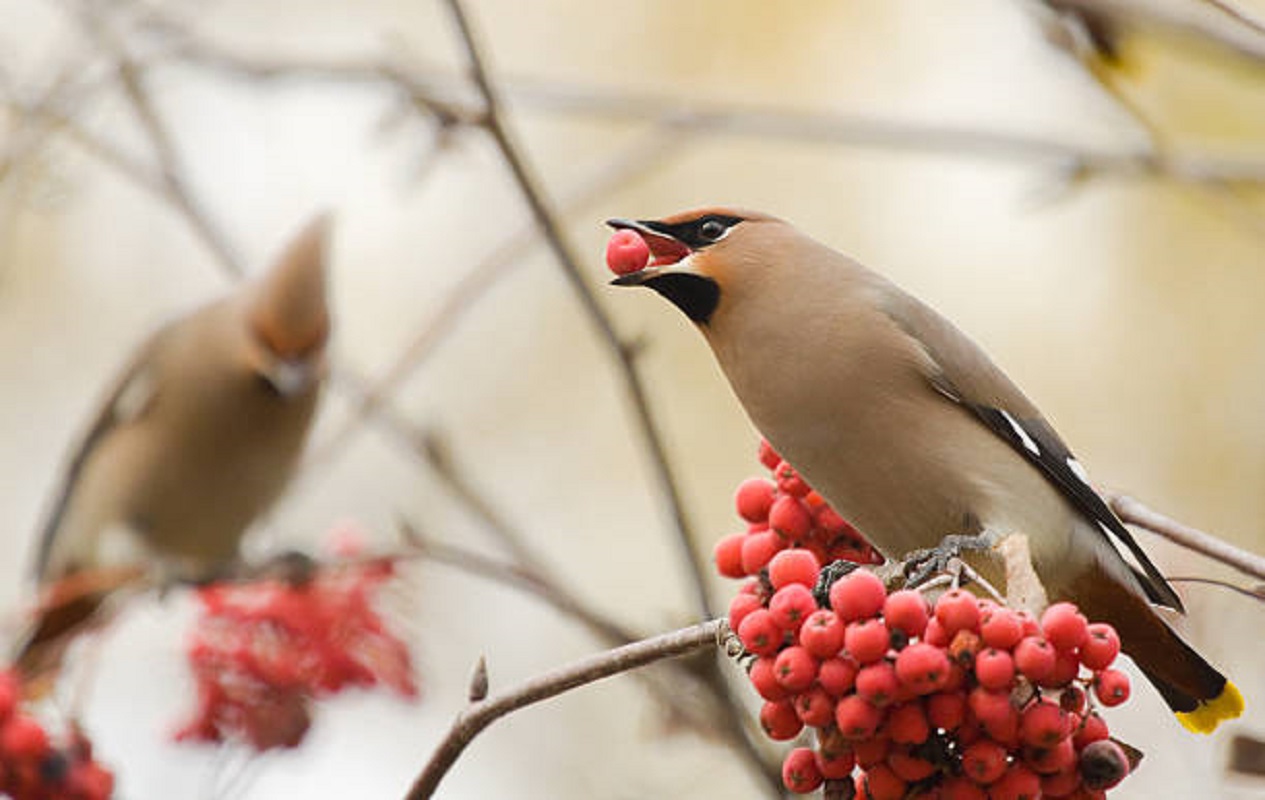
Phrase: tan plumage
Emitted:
{"points": [[197, 438], [906, 426]]}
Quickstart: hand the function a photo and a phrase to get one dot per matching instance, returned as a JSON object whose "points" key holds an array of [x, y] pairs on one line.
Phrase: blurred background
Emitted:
{"points": [[1088, 207]]}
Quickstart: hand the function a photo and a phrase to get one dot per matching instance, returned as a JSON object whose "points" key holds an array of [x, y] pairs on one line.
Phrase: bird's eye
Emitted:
{"points": [[713, 230]]}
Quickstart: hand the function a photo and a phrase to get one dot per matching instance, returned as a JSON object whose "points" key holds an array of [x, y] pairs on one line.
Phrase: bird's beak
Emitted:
{"points": [[665, 251], [291, 377]]}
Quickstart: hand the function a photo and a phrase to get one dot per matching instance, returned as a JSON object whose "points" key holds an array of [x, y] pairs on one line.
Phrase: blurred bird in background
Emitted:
{"points": [[908, 428], [196, 439]]}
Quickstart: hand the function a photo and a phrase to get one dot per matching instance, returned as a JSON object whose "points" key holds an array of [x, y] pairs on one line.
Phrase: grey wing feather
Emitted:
{"points": [[967, 376], [128, 399]]}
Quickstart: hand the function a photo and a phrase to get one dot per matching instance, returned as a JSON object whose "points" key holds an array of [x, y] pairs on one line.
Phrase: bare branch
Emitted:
{"points": [[498, 264], [1257, 593], [635, 389], [1133, 512], [174, 185], [479, 715], [1023, 587]]}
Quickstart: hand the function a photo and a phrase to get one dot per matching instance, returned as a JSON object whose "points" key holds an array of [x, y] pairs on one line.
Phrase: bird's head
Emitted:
{"points": [[288, 316], [698, 256]]}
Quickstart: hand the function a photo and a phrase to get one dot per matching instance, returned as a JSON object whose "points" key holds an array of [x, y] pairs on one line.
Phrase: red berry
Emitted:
{"points": [[1103, 764], [906, 611], [800, 772], [1092, 729], [878, 683], [1064, 626], [23, 739], [763, 677], [858, 595], [830, 521], [908, 766], [742, 605], [837, 676], [10, 694], [626, 252], [881, 783], [835, 764], [1101, 646], [768, 456], [907, 724], [1034, 657], [857, 717], [955, 788], [1019, 783], [946, 710], [994, 669], [867, 640], [1061, 783], [790, 518], [779, 720], [758, 550], [935, 634], [923, 667], [791, 605], [794, 565], [958, 610], [1000, 627], [822, 634], [1058, 757], [871, 751], [1111, 687], [795, 669], [728, 556], [984, 761], [1044, 724], [815, 708], [1067, 666], [789, 480], [989, 707], [760, 634], [1072, 699], [754, 498]]}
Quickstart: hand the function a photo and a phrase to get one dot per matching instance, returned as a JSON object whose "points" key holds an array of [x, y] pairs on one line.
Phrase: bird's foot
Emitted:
{"points": [[945, 559]]}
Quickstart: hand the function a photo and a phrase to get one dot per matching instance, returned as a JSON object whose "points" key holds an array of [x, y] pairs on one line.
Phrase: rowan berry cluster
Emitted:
{"points": [[33, 768], [786, 513], [263, 651], [962, 698]]}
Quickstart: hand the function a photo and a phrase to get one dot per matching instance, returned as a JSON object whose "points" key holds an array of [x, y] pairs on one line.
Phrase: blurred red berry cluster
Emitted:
{"points": [[32, 767], [957, 699], [263, 651], [785, 513]]}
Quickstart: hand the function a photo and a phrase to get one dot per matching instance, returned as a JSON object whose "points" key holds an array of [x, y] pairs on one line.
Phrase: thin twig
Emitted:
{"points": [[478, 716], [174, 185], [476, 283], [545, 218], [684, 695], [1134, 512], [518, 576], [1257, 594], [744, 120]]}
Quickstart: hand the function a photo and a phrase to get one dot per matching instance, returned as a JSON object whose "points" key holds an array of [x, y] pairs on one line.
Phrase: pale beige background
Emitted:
{"points": [[1129, 309]]}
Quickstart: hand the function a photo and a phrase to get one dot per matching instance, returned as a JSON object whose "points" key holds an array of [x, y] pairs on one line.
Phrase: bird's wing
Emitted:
{"points": [[965, 375], [130, 397]]}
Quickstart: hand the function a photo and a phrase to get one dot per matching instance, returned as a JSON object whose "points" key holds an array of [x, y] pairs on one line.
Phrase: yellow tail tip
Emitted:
{"points": [[1211, 713]]}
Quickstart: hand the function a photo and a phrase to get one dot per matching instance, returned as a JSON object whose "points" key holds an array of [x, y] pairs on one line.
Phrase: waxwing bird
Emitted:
{"points": [[196, 439], [906, 426]]}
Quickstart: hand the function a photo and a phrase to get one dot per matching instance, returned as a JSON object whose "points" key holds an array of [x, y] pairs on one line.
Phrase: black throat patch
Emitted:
{"points": [[695, 295]]}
